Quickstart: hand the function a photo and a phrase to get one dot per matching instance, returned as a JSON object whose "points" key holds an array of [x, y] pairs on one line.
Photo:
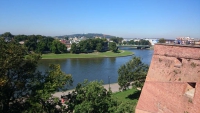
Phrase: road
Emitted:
{"points": [[114, 88]]}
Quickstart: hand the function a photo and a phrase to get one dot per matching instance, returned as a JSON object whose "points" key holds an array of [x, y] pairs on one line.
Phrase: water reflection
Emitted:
{"points": [[95, 68]]}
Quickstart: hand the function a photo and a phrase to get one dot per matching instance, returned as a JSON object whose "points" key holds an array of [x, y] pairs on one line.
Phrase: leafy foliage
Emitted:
{"points": [[7, 36], [140, 42], [133, 71], [124, 107], [57, 47], [89, 45], [31, 43], [53, 80], [19, 38], [113, 46], [35, 43], [99, 47], [117, 40], [44, 44], [84, 46], [161, 40], [73, 48], [127, 100], [22, 88], [90, 97]]}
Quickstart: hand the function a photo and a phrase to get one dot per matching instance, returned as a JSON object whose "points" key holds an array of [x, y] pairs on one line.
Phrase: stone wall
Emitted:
{"points": [[173, 81]]}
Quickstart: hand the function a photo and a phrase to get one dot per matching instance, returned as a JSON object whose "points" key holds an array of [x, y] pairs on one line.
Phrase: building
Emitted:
{"points": [[170, 41], [173, 81], [184, 40], [153, 41]]}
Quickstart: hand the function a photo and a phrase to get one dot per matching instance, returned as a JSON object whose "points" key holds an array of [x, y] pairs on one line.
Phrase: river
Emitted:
{"points": [[104, 69]]}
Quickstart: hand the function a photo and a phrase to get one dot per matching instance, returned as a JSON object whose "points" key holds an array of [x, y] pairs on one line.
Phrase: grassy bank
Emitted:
{"points": [[89, 55], [131, 96]]}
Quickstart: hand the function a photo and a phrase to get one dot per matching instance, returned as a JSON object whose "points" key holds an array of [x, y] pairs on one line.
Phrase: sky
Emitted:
{"points": [[122, 18]]}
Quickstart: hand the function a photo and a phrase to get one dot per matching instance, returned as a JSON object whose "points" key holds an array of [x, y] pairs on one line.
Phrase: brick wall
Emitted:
{"points": [[173, 81]]}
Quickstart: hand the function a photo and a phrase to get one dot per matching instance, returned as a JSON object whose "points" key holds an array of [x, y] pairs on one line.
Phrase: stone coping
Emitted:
{"points": [[193, 46]]}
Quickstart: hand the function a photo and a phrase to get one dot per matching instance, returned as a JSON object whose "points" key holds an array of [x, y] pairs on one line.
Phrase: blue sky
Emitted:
{"points": [[123, 18]]}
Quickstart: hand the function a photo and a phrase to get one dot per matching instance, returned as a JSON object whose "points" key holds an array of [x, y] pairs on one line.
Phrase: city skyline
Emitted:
{"points": [[127, 19]]}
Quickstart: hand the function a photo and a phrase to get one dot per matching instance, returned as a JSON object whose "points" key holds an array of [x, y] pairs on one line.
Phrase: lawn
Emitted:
{"points": [[131, 96], [84, 55]]}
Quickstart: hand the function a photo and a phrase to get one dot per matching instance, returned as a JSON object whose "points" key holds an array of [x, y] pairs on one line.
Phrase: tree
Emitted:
{"points": [[44, 44], [22, 88], [161, 40], [113, 46], [31, 42], [90, 97], [7, 36], [124, 42], [133, 71], [66, 38], [57, 47], [136, 42], [99, 47], [144, 42], [53, 80], [117, 40], [131, 42], [19, 38], [73, 48], [40, 47], [124, 107], [84, 46]]}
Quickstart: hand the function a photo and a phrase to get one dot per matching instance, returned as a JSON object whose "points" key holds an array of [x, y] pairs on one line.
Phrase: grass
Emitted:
{"points": [[131, 96], [84, 55]]}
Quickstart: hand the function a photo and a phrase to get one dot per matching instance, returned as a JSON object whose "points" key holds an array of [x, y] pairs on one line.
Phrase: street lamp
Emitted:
{"points": [[109, 81]]}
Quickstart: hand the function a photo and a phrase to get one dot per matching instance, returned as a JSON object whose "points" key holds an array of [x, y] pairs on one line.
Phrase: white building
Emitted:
{"points": [[153, 41]]}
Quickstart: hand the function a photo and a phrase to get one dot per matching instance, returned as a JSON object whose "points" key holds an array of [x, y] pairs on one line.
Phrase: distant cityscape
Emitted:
{"points": [[179, 40], [76, 38]]}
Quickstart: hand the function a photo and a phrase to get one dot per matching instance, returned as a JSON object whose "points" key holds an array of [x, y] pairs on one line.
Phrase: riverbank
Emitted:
{"points": [[89, 55], [114, 88]]}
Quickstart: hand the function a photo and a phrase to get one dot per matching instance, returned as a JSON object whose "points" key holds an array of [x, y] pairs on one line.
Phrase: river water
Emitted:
{"points": [[104, 69]]}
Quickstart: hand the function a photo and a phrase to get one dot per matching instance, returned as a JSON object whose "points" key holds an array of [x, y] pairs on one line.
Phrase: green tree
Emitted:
{"points": [[144, 42], [31, 42], [66, 38], [124, 107], [40, 47], [57, 47], [133, 71], [137, 43], [90, 97], [19, 38], [7, 36], [113, 46], [161, 40], [22, 88], [117, 40], [53, 80], [99, 47], [84, 46], [125, 42], [131, 42], [73, 48]]}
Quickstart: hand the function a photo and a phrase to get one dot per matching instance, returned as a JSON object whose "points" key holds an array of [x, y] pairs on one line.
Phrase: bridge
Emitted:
{"points": [[136, 46]]}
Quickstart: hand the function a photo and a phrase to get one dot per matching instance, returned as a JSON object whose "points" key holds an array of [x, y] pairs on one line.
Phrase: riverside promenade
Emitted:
{"points": [[114, 88]]}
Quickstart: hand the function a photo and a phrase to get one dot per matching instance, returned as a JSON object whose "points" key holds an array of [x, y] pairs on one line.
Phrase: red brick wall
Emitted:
{"points": [[172, 67]]}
